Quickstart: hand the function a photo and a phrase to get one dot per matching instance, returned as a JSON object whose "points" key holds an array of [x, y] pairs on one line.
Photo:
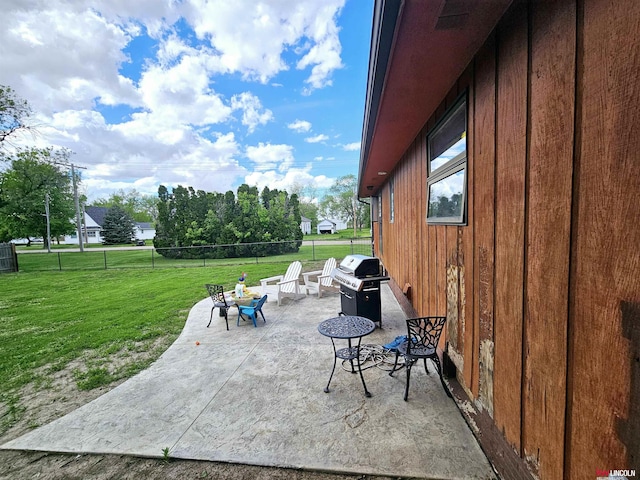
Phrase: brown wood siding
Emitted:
{"points": [[542, 286], [605, 281], [510, 215], [466, 260], [483, 168], [551, 119]]}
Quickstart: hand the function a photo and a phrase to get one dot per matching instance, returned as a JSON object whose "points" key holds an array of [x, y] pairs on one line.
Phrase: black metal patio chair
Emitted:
{"points": [[216, 292], [422, 342]]}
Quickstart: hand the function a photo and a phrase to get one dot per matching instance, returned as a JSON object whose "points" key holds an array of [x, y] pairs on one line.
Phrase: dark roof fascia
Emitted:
{"points": [[385, 18]]}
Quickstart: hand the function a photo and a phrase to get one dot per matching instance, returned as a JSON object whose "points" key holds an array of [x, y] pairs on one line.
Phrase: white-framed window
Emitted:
{"points": [[91, 233], [447, 167]]}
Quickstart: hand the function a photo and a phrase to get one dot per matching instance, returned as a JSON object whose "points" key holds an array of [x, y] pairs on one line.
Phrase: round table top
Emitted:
{"points": [[346, 326]]}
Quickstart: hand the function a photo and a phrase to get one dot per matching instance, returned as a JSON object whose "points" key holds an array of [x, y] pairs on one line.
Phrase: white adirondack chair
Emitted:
{"points": [[323, 282], [287, 285]]}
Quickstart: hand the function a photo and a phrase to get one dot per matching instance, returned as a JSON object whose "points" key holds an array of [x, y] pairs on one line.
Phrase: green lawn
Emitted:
{"points": [[50, 318], [147, 259]]}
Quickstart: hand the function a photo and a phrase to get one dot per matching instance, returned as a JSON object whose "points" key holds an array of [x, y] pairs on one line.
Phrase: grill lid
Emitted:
{"points": [[360, 265], [350, 281]]}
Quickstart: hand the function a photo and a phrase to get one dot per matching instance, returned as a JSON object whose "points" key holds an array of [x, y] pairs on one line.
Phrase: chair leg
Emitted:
{"points": [[425, 366], [226, 317], [394, 364], [263, 319], [253, 318], [406, 388], [211, 317]]}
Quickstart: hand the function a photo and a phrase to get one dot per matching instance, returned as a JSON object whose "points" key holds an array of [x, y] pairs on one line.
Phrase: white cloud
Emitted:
{"points": [[316, 139], [251, 106], [300, 126], [47, 58], [351, 147], [268, 156], [143, 158], [181, 94], [252, 36], [285, 181]]}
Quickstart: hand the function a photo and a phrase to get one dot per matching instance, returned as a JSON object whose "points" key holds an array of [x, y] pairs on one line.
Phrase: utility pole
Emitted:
{"points": [[46, 211], [76, 200]]}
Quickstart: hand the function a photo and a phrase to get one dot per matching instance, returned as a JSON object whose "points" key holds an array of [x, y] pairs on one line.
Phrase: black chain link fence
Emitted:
{"points": [[201, 256]]}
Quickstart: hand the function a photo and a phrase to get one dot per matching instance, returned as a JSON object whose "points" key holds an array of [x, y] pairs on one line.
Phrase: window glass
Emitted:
{"points": [[448, 140], [374, 209], [446, 198], [447, 166]]}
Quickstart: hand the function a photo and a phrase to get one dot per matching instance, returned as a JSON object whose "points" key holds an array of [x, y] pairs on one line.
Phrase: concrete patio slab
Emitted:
{"points": [[255, 396]]}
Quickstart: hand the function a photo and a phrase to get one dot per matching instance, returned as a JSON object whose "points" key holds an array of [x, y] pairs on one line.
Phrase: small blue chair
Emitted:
{"points": [[252, 309]]}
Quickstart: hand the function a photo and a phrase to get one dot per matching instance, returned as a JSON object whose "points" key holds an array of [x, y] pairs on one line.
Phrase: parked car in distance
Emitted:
{"points": [[139, 243]]}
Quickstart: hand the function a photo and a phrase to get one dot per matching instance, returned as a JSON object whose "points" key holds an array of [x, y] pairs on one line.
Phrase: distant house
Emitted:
{"points": [[92, 227], [327, 226], [305, 225]]}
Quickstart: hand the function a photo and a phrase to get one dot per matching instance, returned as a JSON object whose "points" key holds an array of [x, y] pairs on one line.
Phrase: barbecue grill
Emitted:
{"points": [[359, 279]]}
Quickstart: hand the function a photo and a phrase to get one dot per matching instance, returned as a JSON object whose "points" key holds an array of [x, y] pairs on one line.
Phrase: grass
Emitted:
{"points": [[109, 259], [97, 311]]}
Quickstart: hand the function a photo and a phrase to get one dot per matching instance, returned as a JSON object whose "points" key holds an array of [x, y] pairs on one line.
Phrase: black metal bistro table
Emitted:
{"points": [[347, 327]]}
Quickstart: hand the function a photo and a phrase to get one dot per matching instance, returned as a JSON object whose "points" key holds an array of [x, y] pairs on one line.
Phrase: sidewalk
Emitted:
{"points": [[255, 396]]}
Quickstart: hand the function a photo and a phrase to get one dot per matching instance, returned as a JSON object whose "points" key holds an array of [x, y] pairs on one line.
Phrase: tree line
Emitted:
{"points": [[251, 223]]}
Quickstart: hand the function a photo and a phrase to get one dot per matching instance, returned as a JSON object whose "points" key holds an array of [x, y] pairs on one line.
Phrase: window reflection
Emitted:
{"points": [[446, 199], [448, 140], [453, 151]]}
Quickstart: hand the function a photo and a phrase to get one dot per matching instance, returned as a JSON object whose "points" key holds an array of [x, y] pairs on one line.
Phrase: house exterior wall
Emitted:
{"points": [[305, 226], [326, 226], [541, 287], [145, 233]]}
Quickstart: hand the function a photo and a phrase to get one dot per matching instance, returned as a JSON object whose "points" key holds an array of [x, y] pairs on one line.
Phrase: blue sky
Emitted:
{"points": [[193, 92]]}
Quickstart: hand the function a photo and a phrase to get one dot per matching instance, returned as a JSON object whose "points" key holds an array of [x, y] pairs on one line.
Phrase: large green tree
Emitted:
{"points": [[25, 186], [251, 224], [118, 226]]}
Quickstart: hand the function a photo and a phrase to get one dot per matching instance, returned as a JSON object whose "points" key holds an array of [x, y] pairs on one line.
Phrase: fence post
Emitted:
{"points": [[153, 264], [59, 262], [313, 250], [351, 246], [105, 259]]}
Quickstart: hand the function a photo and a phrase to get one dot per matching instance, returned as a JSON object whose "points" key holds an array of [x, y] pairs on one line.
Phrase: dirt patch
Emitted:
{"points": [[54, 394]]}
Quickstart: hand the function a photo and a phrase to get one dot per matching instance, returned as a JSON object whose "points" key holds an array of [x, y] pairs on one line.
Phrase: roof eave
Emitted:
{"points": [[419, 48]]}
